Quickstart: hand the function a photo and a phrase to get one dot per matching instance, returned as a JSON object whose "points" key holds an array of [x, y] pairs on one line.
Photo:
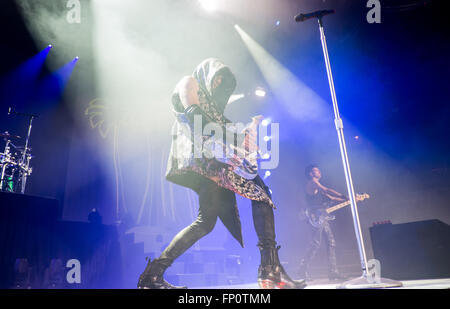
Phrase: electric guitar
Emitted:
{"points": [[242, 159], [317, 217]]}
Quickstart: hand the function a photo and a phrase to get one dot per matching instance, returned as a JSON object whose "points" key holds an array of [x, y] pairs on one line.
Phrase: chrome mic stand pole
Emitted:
{"points": [[24, 157], [340, 131], [364, 281], [4, 163]]}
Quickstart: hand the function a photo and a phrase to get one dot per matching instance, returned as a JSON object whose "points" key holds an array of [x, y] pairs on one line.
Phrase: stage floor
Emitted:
{"points": [[325, 284]]}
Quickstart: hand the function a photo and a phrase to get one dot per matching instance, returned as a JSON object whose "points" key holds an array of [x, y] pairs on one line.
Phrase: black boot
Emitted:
{"points": [[286, 282], [152, 277], [271, 274], [268, 271]]}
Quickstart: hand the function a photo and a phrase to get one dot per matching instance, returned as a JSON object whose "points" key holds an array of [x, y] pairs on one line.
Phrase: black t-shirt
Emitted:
{"points": [[317, 200]]}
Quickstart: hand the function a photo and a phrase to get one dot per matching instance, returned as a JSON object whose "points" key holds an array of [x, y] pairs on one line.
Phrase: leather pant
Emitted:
{"points": [[214, 202], [315, 245]]}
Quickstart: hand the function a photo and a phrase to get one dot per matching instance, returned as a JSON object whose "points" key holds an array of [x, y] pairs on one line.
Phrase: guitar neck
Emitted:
{"points": [[338, 206], [359, 198]]}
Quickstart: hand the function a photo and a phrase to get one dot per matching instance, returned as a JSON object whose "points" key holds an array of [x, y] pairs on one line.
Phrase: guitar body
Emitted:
{"points": [[242, 166], [317, 217], [242, 159]]}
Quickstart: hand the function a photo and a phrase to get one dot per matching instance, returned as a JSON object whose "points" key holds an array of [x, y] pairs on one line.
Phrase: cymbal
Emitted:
{"points": [[21, 148], [8, 135]]}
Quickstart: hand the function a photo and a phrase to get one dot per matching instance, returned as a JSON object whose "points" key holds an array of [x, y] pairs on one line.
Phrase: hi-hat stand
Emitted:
{"points": [[366, 280], [15, 170], [24, 164]]}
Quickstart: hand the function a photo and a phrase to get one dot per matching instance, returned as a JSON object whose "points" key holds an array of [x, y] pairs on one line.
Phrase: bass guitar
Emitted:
{"points": [[317, 217]]}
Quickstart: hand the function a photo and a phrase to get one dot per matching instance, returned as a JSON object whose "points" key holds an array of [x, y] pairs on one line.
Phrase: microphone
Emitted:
{"points": [[317, 14]]}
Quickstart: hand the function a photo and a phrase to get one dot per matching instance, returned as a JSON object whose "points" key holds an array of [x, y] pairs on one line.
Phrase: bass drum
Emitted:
{"points": [[10, 178]]}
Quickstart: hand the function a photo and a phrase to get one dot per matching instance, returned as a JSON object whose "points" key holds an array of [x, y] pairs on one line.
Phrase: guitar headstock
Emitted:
{"points": [[362, 197], [257, 119]]}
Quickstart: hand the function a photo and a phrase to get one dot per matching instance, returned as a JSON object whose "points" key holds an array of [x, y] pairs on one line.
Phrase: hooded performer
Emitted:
{"points": [[204, 95]]}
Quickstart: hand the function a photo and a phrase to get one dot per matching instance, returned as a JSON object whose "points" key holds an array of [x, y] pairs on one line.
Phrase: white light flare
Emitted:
{"points": [[266, 122], [209, 5], [260, 92], [300, 101]]}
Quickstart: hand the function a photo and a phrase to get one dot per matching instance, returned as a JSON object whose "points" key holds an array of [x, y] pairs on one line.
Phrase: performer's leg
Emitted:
{"points": [[333, 272], [313, 247], [271, 273], [331, 248], [203, 225], [209, 196]]}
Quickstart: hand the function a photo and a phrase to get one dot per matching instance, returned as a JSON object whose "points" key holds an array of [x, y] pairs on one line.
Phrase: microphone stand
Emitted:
{"points": [[23, 165], [4, 159], [365, 281]]}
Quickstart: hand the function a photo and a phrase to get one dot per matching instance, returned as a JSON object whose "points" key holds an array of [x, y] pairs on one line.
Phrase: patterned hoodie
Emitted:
{"points": [[183, 167]]}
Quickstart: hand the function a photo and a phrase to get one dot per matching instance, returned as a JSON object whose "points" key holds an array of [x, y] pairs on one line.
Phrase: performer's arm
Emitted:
{"points": [[187, 89], [335, 198], [336, 194], [330, 193]]}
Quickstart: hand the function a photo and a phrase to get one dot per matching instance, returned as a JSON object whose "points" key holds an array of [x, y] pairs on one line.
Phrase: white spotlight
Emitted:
{"points": [[260, 92], [284, 85], [266, 156], [209, 5], [266, 138], [235, 97], [267, 174], [266, 122]]}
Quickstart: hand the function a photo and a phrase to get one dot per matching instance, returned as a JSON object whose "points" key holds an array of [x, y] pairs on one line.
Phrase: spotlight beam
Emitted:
{"points": [[299, 100], [52, 87], [18, 86], [29, 70]]}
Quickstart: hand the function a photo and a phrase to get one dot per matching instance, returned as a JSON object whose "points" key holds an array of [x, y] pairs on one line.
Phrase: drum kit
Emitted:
{"points": [[15, 160]]}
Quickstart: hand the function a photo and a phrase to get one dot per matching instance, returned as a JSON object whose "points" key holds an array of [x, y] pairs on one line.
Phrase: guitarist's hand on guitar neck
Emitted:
{"points": [[242, 159], [330, 193], [317, 217], [362, 197], [359, 198], [251, 134]]}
